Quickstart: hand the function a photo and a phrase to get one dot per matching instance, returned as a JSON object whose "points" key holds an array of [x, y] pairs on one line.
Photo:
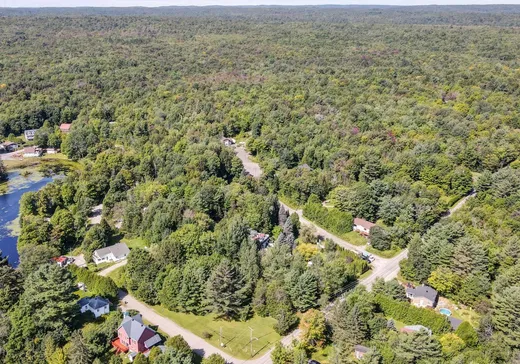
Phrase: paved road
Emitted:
{"points": [[381, 267], [112, 268], [461, 203], [198, 345]]}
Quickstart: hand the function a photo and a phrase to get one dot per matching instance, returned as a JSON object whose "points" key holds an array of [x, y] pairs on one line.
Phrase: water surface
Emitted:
{"points": [[10, 206]]}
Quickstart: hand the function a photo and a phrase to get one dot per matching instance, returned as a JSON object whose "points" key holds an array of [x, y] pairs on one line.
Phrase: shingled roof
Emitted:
{"points": [[423, 291]]}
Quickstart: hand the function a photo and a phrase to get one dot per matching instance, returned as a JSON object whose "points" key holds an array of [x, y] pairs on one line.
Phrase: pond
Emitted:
{"points": [[10, 206]]}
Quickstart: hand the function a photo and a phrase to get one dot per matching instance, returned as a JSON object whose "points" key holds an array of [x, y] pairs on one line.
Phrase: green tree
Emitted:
{"points": [[224, 291], [419, 346], [505, 315], [3, 172], [313, 328], [280, 355], [379, 238], [214, 359], [78, 351]]}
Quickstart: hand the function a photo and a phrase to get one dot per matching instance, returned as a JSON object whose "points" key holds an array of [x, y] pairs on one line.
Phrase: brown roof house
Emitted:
{"points": [[362, 226], [423, 296], [65, 128]]}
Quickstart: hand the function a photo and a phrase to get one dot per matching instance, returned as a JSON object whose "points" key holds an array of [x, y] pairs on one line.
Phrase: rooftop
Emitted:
{"points": [[119, 250], [423, 291], [364, 223]]}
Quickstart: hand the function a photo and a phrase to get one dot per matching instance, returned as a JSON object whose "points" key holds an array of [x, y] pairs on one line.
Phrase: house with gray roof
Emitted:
{"points": [[422, 296], [134, 337], [113, 253], [416, 328], [29, 134], [97, 305]]}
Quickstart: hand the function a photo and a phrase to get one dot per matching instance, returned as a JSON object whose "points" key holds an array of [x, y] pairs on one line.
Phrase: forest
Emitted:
{"points": [[387, 114]]}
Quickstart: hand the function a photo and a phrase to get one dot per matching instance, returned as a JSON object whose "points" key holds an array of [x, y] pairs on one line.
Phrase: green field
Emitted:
{"points": [[355, 238], [116, 276], [235, 334]]}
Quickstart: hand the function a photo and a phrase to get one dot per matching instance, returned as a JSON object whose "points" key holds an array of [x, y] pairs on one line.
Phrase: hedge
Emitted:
{"points": [[96, 284], [411, 315], [331, 219]]}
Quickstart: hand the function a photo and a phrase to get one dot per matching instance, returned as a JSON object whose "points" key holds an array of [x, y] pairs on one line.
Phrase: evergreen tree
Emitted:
{"points": [[505, 315], [3, 172], [78, 352], [10, 286], [224, 291], [214, 359], [419, 346], [305, 292]]}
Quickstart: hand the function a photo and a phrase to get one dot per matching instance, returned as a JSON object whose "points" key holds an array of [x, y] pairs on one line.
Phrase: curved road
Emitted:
{"points": [[381, 267]]}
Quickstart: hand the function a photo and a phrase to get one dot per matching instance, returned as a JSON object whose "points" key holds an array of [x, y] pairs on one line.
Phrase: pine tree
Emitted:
{"points": [[305, 293], [3, 172], [418, 346], [505, 315], [78, 352], [224, 291]]}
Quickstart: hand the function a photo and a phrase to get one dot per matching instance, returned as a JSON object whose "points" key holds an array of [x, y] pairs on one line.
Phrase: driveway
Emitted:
{"points": [[112, 268]]}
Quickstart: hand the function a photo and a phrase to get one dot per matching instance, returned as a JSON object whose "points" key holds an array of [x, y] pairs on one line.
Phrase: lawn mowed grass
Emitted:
{"points": [[383, 253], [235, 334], [354, 238]]}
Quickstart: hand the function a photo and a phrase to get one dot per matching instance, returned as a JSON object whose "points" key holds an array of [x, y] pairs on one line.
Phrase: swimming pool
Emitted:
{"points": [[445, 311]]}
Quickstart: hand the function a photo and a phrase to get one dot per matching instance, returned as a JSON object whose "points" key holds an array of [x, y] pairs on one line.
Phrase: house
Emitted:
{"points": [[29, 152], [360, 351], [362, 226], [260, 238], [415, 328], [97, 305], [422, 296], [29, 134], [65, 128], [113, 253], [52, 150], [62, 261], [454, 322], [134, 337], [228, 141], [8, 146]]}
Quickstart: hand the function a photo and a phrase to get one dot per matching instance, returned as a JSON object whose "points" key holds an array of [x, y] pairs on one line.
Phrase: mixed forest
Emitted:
{"points": [[387, 114]]}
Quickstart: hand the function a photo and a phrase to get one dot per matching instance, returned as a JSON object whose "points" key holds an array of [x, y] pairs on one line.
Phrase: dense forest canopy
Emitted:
{"points": [[390, 114]]}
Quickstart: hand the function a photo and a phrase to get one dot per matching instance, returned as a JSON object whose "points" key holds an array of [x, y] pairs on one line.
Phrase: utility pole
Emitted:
{"points": [[251, 338], [220, 337]]}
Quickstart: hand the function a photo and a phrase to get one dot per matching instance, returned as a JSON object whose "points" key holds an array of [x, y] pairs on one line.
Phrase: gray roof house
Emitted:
{"points": [[113, 253], [97, 305], [360, 351], [423, 296], [134, 336], [416, 328]]}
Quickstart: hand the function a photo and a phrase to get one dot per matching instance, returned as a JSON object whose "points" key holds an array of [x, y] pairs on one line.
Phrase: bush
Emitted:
{"points": [[467, 333], [332, 219], [405, 312], [97, 285], [206, 335]]}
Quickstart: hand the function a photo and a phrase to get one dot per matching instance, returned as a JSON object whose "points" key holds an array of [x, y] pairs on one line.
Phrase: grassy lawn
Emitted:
{"points": [[383, 253], [99, 267], [355, 238], [324, 355], [116, 276], [289, 202], [467, 314], [235, 334], [134, 243]]}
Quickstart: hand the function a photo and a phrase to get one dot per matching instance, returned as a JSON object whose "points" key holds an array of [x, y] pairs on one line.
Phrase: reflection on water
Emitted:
{"points": [[10, 205]]}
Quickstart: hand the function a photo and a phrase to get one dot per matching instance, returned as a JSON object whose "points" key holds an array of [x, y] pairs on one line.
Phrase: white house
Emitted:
{"points": [[362, 226], [228, 141], [97, 305], [113, 253], [29, 134], [29, 152]]}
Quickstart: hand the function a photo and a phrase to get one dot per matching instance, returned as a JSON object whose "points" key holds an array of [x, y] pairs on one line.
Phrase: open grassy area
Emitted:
{"points": [[324, 356], [134, 243], [235, 334], [117, 276], [383, 253], [46, 161], [354, 238]]}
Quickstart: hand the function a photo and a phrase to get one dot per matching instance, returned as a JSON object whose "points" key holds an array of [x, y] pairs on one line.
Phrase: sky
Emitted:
{"points": [[153, 3]]}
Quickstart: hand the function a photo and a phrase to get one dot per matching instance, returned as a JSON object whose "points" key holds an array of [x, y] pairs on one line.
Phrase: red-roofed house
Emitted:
{"points": [[362, 226], [65, 128], [62, 261]]}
